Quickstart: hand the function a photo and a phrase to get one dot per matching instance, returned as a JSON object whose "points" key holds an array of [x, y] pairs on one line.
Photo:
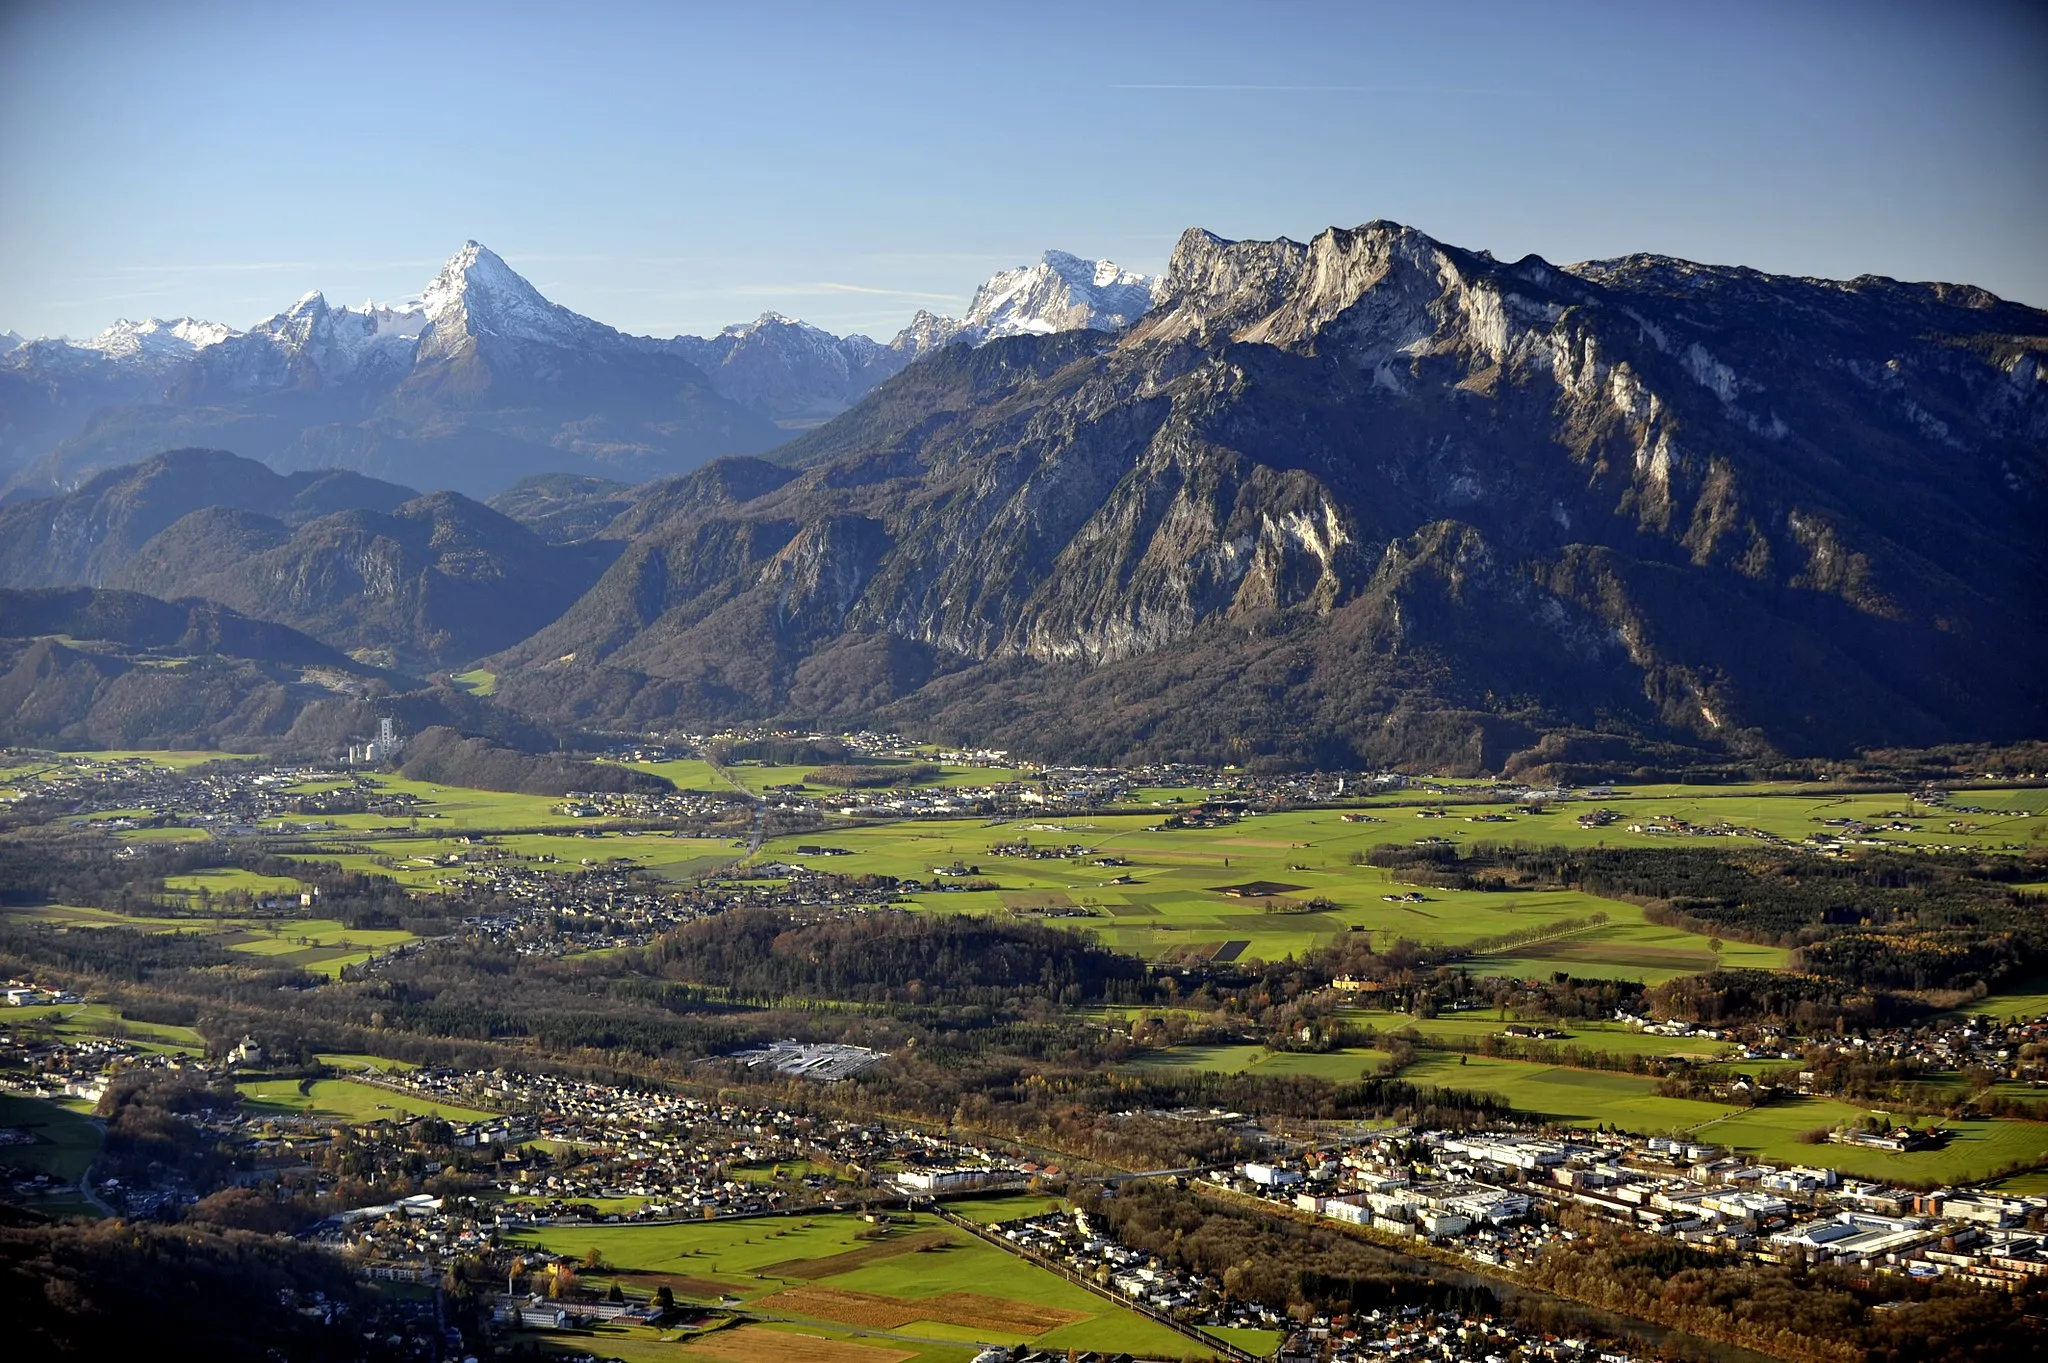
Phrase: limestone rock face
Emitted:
{"points": [[1375, 495]]}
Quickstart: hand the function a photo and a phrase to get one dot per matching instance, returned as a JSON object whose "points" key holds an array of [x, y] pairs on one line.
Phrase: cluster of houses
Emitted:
{"points": [[1075, 1243], [21, 994]]}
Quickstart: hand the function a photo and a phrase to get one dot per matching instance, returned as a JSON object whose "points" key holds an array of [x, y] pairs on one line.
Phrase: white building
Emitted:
{"points": [[1271, 1176]]}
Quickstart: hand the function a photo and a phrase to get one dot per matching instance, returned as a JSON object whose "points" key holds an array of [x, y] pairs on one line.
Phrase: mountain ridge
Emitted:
{"points": [[479, 380], [1368, 498], [1376, 436]]}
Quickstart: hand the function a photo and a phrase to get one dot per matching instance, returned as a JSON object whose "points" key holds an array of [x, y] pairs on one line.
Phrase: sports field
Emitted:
{"points": [[919, 1281], [1981, 1145], [344, 1100]]}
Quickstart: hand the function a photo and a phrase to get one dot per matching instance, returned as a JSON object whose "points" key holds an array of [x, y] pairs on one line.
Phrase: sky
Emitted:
{"points": [[671, 168]]}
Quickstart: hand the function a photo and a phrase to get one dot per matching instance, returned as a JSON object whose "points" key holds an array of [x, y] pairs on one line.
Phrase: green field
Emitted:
{"points": [[1608, 1038], [101, 1019], [991, 1211], [377, 1063], [1786, 811], [1339, 1067], [222, 879], [344, 1100], [65, 1141], [435, 861], [734, 1256], [1981, 1145], [477, 681], [1568, 1096], [1176, 903], [687, 773], [64, 1149], [321, 945], [783, 1171], [806, 1344], [2021, 1002], [757, 777]]}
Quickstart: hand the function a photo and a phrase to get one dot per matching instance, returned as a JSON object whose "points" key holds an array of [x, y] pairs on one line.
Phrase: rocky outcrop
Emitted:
{"points": [[1384, 474]]}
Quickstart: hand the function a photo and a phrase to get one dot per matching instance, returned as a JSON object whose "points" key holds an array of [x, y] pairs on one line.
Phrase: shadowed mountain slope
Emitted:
{"points": [[1377, 497]]}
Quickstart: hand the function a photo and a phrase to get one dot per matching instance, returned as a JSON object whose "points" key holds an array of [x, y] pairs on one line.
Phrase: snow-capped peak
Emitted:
{"points": [[156, 339], [771, 319], [1062, 292], [477, 294]]}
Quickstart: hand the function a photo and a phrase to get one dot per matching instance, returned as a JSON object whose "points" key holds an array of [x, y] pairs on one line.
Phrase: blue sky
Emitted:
{"points": [[675, 167]]}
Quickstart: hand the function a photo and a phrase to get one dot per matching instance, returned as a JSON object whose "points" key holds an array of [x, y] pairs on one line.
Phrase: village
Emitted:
{"points": [[457, 1162]]}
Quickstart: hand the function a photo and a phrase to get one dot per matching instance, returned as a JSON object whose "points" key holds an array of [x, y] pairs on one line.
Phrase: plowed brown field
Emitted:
{"points": [[832, 1265], [970, 1309], [759, 1344]]}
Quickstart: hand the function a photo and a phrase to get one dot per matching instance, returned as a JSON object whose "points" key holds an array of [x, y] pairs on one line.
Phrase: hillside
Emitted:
{"points": [[98, 668], [87, 536], [1378, 498], [435, 582]]}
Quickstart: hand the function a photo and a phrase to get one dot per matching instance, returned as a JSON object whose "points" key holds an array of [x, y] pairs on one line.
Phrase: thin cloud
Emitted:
{"points": [[830, 287], [249, 267], [1317, 89]]}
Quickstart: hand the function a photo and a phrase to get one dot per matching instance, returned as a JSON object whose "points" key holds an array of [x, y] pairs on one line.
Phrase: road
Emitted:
{"points": [[760, 804]]}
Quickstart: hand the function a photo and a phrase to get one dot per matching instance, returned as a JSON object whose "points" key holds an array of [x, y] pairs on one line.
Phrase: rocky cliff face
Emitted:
{"points": [[1373, 478], [1369, 498]]}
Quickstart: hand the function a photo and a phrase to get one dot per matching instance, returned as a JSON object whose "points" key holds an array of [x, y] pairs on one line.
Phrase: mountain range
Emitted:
{"points": [[480, 381], [1370, 498]]}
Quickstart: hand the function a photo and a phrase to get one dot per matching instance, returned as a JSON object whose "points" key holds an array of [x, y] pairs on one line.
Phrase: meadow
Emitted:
{"points": [[1175, 897], [64, 1143], [103, 1019], [1571, 1097], [1981, 1146], [1788, 811], [2021, 1001], [344, 1100], [1339, 1067], [437, 861], [1607, 1038], [832, 1271], [758, 777], [1000, 1207], [321, 945]]}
